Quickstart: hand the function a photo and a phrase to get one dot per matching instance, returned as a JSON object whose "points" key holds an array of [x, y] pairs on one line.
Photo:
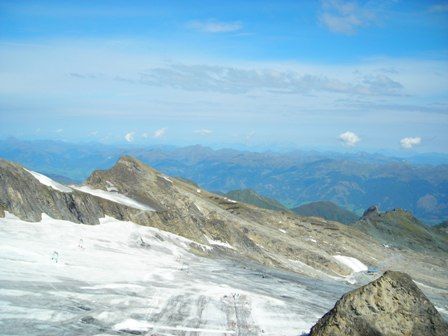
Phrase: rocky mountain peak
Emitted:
{"points": [[390, 305], [371, 211], [131, 163]]}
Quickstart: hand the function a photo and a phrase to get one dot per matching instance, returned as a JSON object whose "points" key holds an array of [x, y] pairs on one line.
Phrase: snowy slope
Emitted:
{"points": [[114, 197], [59, 277], [45, 180]]}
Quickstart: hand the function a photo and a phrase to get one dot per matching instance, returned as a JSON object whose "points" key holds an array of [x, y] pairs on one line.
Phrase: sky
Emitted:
{"points": [[330, 74]]}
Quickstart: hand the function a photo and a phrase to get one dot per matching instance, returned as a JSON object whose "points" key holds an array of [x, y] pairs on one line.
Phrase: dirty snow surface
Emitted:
{"points": [[118, 278]]}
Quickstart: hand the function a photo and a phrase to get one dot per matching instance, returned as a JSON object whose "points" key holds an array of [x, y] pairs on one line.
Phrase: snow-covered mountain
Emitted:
{"points": [[135, 251]]}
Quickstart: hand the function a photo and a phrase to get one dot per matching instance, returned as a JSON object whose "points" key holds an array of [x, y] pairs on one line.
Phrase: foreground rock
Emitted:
{"points": [[391, 305]]}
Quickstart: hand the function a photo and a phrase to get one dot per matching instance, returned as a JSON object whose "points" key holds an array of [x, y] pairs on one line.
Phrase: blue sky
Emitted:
{"points": [[341, 75]]}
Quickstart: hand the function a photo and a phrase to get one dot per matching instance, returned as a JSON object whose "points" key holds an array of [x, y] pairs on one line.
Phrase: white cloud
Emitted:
{"points": [[129, 136], [160, 133], [345, 17], [250, 135], [410, 142], [212, 26], [349, 138], [204, 131]]}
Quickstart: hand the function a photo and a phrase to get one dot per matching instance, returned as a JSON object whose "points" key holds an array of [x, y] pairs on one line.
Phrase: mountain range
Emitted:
{"points": [[353, 181]]}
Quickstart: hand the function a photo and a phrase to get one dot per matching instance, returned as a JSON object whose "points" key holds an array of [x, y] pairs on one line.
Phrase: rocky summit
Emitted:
{"points": [[391, 305], [399, 228]]}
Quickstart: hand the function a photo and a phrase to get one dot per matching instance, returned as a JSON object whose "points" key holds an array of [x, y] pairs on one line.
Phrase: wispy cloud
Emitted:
{"points": [[213, 26], [439, 8], [204, 131], [349, 138], [129, 137], [410, 142], [160, 133], [346, 17], [223, 79]]}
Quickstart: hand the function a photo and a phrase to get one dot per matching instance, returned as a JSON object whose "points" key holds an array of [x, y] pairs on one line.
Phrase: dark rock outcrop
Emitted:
{"points": [[372, 211], [391, 305]]}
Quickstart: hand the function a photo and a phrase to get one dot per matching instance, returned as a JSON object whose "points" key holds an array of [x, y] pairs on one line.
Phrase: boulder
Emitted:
{"points": [[391, 305]]}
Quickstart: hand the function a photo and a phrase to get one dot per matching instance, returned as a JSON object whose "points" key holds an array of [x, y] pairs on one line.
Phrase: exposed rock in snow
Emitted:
{"points": [[110, 187]]}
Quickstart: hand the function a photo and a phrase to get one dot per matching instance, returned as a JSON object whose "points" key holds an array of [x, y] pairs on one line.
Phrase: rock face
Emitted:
{"points": [[392, 305], [371, 211]]}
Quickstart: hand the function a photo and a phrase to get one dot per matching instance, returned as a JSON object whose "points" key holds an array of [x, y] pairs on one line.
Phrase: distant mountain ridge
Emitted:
{"points": [[327, 210], [353, 181], [251, 197], [398, 228]]}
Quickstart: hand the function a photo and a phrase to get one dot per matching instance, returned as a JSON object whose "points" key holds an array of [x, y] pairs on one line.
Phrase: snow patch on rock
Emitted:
{"points": [[354, 264], [219, 243], [114, 197], [45, 180]]}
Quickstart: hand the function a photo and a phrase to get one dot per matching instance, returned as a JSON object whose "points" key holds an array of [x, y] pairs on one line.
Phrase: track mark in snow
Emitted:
{"points": [[134, 325]]}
